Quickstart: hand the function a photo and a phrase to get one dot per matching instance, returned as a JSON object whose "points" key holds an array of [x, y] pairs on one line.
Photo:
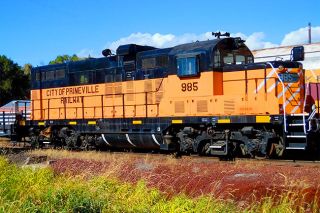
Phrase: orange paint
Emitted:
{"points": [[210, 94]]}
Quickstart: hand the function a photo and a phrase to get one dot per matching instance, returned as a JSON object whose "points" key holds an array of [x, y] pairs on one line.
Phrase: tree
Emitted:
{"points": [[65, 58], [27, 69], [14, 84]]}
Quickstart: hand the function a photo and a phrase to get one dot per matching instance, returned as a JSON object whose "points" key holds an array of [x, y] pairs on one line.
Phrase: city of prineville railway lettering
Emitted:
{"points": [[80, 90], [71, 100]]}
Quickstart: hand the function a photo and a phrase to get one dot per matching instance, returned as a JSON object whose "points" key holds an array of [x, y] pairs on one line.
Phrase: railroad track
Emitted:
{"points": [[9, 147]]}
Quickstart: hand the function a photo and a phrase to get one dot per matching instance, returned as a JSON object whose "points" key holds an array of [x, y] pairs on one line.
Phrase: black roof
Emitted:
{"points": [[145, 51], [198, 46], [194, 47]]}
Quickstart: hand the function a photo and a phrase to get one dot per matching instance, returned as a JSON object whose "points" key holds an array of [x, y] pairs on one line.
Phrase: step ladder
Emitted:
{"points": [[296, 126]]}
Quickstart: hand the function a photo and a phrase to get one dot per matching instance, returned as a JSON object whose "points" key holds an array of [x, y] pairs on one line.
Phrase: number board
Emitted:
{"points": [[289, 77], [188, 87]]}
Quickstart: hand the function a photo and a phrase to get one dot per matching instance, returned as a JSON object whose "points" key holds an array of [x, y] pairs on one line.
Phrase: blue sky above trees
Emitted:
{"points": [[36, 31]]}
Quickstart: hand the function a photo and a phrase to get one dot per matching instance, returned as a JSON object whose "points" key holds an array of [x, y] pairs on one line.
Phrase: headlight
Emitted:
{"points": [[281, 69]]}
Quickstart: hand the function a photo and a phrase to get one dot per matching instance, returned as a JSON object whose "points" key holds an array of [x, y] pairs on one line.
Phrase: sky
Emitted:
{"points": [[36, 31]]}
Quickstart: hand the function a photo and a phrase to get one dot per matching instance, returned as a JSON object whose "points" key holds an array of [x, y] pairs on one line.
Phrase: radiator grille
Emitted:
{"points": [[202, 106], [179, 107], [229, 106]]}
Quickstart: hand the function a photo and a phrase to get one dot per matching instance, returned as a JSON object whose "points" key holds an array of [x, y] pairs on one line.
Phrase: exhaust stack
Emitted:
{"points": [[309, 32]]}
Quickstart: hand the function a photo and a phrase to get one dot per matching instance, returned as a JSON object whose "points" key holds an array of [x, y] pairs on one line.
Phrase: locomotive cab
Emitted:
{"points": [[231, 52]]}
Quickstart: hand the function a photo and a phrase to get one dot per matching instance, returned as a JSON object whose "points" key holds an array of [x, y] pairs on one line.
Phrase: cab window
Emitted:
{"points": [[228, 58], [224, 56], [249, 59], [188, 66], [240, 59]]}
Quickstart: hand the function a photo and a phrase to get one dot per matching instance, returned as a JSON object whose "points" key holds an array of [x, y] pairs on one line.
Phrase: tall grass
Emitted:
{"points": [[281, 189], [39, 190]]}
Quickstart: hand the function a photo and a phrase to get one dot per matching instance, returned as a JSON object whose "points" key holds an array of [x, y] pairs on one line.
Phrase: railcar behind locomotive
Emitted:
{"points": [[207, 97]]}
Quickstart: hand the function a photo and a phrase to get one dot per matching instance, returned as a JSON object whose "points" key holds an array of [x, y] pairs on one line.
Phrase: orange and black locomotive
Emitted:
{"points": [[207, 97]]}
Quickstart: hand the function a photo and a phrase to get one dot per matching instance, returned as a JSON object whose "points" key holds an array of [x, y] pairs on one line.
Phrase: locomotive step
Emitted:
{"points": [[215, 147], [295, 120], [300, 114], [296, 136], [296, 146], [296, 124], [295, 129]]}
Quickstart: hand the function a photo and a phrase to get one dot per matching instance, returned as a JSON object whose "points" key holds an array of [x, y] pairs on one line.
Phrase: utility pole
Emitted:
{"points": [[309, 32], [1, 73]]}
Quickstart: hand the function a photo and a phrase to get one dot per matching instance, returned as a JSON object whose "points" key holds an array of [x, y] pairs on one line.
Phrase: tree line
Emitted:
{"points": [[15, 79]]}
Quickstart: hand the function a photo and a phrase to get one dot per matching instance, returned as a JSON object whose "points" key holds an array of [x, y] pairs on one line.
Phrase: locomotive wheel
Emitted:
{"points": [[204, 148], [84, 143], [34, 141]]}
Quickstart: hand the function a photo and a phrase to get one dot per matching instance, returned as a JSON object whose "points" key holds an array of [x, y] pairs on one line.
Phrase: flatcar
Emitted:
{"points": [[205, 97]]}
